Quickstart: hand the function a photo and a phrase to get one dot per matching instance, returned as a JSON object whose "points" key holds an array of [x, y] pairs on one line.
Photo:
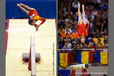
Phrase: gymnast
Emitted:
{"points": [[32, 14]]}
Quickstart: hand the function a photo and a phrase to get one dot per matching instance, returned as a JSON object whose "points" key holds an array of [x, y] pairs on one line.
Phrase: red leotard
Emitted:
{"points": [[33, 14], [82, 29]]}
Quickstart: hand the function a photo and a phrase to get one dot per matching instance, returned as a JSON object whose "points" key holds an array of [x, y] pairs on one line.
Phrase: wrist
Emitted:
{"points": [[35, 25]]}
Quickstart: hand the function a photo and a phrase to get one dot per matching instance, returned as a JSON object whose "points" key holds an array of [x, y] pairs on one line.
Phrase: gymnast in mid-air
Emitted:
{"points": [[82, 29], [33, 15]]}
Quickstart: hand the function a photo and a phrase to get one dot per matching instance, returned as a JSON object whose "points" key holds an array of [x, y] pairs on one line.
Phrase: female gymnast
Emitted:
{"points": [[32, 14]]}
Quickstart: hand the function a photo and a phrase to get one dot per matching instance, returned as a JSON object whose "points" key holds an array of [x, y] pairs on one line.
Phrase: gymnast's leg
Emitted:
{"points": [[79, 15], [23, 9]]}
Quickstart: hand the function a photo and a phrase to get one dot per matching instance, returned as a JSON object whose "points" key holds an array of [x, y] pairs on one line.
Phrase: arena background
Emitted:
{"points": [[97, 14]]}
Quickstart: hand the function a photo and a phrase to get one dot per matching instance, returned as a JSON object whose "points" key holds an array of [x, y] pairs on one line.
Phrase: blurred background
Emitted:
{"points": [[45, 8], [97, 14]]}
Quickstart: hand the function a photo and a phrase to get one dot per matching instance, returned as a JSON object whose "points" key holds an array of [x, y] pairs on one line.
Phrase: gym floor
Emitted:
{"points": [[19, 33]]}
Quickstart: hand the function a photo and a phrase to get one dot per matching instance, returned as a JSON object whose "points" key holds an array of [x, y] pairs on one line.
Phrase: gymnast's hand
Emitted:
{"points": [[37, 26], [21, 4]]}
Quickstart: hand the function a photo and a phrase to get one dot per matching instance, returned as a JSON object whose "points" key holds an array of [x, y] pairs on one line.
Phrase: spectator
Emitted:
{"points": [[97, 34], [75, 27], [102, 28], [105, 34], [66, 46], [75, 5], [91, 46], [97, 14], [63, 35], [99, 44], [79, 46], [75, 34], [75, 18], [106, 43], [85, 46], [91, 31], [82, 39], [67, 41]]}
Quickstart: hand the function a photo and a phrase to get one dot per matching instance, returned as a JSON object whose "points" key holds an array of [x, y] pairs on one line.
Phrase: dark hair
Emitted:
{"points": [[30, 21]]}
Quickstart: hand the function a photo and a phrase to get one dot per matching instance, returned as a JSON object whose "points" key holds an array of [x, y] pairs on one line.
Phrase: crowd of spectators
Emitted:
{"points": [[97, 14]]}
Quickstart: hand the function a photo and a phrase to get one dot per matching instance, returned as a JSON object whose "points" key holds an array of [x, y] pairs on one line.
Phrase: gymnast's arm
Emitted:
{"points": [[41, 19]]}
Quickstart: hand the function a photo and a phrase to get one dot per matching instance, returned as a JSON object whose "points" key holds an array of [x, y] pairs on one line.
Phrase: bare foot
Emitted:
{"points": [[18, 5], [82, 6], [78, 5], [21, 4]]}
